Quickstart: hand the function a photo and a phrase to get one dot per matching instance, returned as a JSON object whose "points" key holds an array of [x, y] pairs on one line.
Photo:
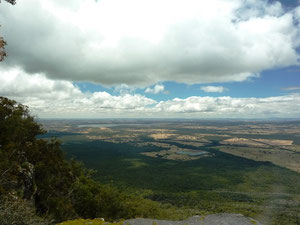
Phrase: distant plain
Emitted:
{"points": [[248, 167]]}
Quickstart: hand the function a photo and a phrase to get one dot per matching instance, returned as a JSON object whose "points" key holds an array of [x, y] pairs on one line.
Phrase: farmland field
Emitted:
{"points": [[251, 168]]}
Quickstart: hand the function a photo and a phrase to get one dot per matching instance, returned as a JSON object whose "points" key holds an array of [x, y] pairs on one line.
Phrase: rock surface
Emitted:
{"points": [[215, 219]]}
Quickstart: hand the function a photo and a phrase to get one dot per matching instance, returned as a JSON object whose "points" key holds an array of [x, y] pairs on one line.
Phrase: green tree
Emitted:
{"points": [[32, 168], [2, 49], [36, 170], [17, 135]]}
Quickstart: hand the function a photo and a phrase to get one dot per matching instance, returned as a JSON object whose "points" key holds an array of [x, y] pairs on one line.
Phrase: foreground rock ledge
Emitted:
{"points": [[215, 219]]}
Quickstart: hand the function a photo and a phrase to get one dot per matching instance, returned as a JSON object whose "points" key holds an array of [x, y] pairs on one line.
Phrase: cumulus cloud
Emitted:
{"points": [[156, 89], [223, 107], [124, 89], [57, 98], [219, 89], [141, 42], [15, 82]]}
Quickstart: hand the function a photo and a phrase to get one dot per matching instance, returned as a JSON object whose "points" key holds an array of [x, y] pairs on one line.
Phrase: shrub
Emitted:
{"points": [[15, 211]]}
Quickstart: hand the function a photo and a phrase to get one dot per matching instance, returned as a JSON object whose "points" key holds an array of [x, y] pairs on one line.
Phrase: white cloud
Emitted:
{"points": [[56, 98], [124, 89], [227, 107], [15, 82], [141, 42], [219, 89], [297, 12], [292, 88], [156, 89]]}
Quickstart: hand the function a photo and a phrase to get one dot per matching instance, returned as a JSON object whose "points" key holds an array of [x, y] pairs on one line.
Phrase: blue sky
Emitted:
{"points": [[269, 83], [140, 58]]}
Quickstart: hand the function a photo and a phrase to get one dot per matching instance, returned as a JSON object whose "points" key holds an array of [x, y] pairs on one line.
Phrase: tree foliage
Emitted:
{"points": [[2, 49], [35, 170], [11, 1], [32, 168], [19, 212]]}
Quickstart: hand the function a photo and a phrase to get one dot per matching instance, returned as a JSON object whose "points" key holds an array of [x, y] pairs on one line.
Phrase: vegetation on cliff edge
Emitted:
{"points": [[35, 175]]}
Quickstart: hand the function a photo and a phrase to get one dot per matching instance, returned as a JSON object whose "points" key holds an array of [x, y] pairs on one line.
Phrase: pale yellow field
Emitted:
{"points": [[161, 136], [242, 141], [284, 158], [275, 142]]}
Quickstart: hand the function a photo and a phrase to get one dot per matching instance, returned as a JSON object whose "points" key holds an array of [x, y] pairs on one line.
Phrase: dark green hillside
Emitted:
{"points": [[214, 184], [123, 164]]}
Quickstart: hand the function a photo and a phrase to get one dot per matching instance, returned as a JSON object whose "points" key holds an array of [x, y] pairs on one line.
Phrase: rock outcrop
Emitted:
{"points": [[215, 219]]}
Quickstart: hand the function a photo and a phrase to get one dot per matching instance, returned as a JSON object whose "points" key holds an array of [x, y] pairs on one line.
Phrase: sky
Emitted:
{"points": [[153, 58]]}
